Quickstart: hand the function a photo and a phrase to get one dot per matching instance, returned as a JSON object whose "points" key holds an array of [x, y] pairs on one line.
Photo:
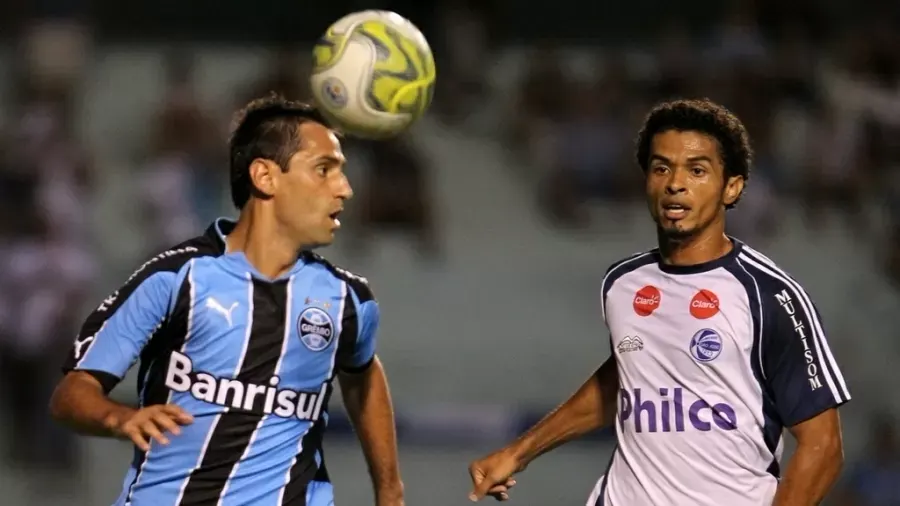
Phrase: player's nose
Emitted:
{"points": [[676, 182], [344, 190]]}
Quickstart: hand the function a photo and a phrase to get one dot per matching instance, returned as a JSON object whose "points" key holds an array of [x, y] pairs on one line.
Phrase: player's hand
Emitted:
{"points": [[153, 422], [493, 475]]}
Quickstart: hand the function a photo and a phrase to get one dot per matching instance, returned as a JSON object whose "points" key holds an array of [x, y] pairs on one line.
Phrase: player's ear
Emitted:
{"points": [[262, 175], [733, 188]]}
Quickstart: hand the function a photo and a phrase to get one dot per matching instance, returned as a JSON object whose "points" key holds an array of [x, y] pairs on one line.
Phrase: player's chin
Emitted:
{"points": [[677, 229], [324, 239], [329, 236]]}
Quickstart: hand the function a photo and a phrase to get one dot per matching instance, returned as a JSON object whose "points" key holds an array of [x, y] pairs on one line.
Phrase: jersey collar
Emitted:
{"points": [[217, 231], [221, 227], [705, 266]]}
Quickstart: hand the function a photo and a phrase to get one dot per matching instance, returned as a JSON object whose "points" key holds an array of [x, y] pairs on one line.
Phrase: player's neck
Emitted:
{"points": [[693, 250], [267, 249]]}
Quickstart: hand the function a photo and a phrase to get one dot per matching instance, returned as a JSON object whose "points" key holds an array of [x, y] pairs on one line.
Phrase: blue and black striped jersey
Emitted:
{"points": [[251, 358]]}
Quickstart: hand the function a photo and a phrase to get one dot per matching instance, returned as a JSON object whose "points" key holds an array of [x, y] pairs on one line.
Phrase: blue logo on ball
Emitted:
{"points": [[334, 92], [706, 345]]}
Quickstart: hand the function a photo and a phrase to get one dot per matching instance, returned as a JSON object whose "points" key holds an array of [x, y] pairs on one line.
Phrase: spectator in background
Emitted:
{"points": [[43, 284], [48, 269], [45, 145], [541, 102], [795, 100], [286, 76], [396, 196], [181, 183], [836, 175], [675, 62], [756, 218], [738, 38], [464, 44], [591, 150]]}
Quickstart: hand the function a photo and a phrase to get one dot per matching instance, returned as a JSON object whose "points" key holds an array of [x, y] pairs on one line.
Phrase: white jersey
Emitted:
{"points": [[714, 361]]}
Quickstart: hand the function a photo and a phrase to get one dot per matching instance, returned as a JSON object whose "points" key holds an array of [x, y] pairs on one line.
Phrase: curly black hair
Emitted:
{"points": [[705, 116], [269, 128]]}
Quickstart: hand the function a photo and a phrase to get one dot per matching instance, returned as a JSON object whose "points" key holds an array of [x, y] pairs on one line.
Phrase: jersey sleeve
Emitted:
{"points": [[359, 329], [798, 366], [615, 272], [112, 337], [367, 338]]}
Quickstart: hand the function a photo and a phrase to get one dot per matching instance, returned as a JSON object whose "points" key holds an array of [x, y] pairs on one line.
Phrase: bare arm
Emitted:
{"points": [[368, 402], [591, 407], [806, 386], [815, 466], [110, 340], [80, 403]]}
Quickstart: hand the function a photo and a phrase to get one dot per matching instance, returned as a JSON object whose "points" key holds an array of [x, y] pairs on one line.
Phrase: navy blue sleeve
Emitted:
{"points": [[359, 324], [368, 318], [797, 363]]}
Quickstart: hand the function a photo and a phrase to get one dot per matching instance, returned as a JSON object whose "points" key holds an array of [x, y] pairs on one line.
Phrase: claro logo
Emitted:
{"points": [[646, 300]]}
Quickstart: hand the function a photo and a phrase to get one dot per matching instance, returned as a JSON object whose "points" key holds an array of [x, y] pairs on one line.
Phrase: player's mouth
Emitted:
{"points": [[674, 212], [334, 218]]}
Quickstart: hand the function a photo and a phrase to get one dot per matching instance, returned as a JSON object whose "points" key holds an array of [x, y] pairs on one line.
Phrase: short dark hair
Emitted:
{"points": [[267, 127], [704, 116]]}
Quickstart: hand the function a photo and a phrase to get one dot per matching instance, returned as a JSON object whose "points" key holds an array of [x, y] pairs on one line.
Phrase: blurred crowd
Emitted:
{"points": [[48, 266], [821, 103], [822, 106]]}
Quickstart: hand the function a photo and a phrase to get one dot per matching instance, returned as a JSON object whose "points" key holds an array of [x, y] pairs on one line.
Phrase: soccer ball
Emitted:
{"points": [[373, 74]]}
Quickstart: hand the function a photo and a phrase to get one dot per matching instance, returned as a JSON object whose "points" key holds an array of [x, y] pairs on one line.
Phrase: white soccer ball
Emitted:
{"points": [[373, 74]]}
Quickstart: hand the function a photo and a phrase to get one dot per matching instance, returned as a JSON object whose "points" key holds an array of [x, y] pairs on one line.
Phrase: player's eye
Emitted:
{"points": [[698, 171], [659, 169], [322, 170]]}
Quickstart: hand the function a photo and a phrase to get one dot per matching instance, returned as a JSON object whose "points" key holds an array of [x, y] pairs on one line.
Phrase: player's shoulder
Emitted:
{"points": [[159, 270], [175, 257], [770, 278], [358, 284], [628, 264]]}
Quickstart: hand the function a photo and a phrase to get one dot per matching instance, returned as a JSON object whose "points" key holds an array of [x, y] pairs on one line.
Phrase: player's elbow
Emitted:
{"points": [[57, 406], [75, 388]]}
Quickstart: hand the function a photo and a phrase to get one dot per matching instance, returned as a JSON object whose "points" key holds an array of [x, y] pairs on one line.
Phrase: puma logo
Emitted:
{"points": [[215, 305], [80, 344]]}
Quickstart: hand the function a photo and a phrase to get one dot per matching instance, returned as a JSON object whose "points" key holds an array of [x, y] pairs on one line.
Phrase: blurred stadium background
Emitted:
{"points": [[484, 232]]}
